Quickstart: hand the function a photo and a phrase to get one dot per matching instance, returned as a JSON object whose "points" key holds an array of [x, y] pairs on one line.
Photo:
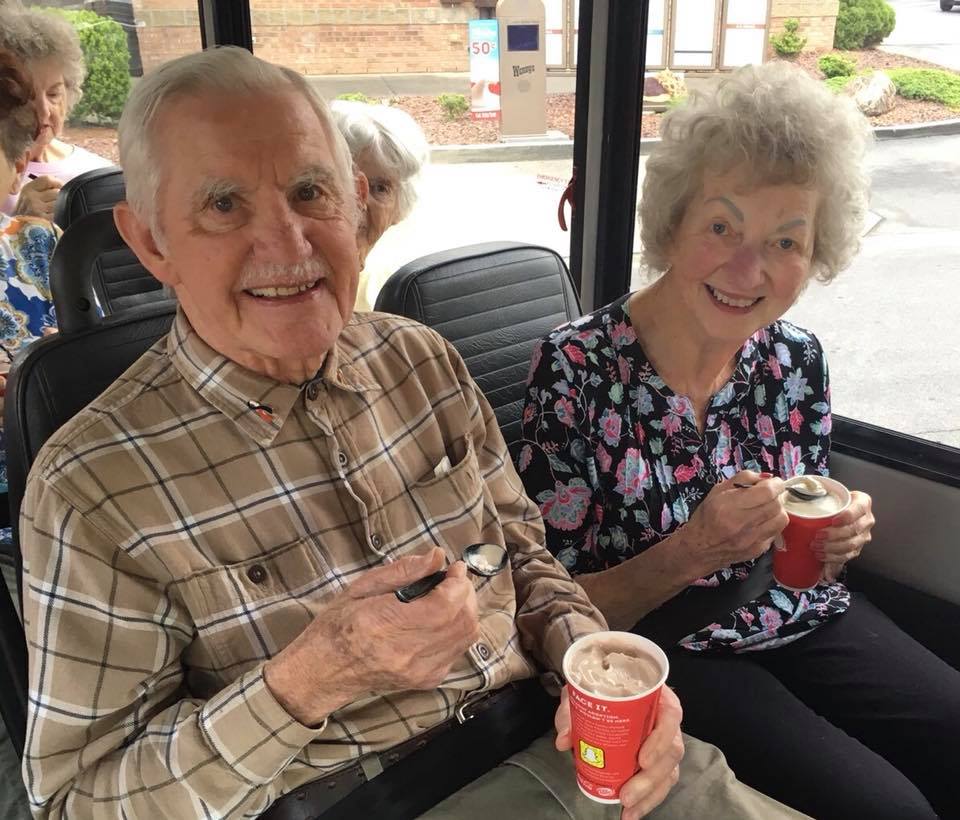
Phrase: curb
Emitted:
{"points": [[563, 149], [930, 129]]}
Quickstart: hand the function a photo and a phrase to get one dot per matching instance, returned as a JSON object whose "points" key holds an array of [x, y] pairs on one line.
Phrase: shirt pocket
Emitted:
{"points": [[450, 506], [245, 613]]}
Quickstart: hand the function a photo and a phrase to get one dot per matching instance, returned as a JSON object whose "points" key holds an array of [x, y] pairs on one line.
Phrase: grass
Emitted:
{"points": [[837, 84], [357, 96], [927, 84]]}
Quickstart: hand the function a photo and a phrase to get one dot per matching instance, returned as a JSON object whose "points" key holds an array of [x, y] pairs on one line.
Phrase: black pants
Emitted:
{"points": [[855, 720]]}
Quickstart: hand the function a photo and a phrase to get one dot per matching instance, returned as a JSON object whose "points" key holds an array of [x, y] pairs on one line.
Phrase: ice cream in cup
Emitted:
{"points": [[811, 502], [614, 680]]}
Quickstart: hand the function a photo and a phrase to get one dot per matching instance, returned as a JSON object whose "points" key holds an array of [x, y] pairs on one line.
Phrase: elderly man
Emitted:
{"points": [[212, 547]]}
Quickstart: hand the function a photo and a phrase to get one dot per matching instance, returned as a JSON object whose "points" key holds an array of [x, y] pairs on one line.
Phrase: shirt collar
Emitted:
{"points": [[257, 404]]}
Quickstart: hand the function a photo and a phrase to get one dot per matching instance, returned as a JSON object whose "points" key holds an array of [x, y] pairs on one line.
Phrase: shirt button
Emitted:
{"points": [[313, 390], [483, 651], [342, 458], [257, 574], [376, 541]]}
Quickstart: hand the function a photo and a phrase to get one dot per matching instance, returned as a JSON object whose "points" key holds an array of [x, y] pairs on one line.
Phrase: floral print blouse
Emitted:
{"points": [[26, 306], [616, 462]]}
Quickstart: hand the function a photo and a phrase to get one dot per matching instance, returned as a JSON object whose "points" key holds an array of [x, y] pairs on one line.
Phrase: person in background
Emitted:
{"points": [[49, 49], [658, 431], [26, 243], [389, 148]]}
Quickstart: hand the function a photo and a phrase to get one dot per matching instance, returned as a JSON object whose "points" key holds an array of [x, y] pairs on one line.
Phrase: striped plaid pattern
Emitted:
{"points": [[190, 523]]}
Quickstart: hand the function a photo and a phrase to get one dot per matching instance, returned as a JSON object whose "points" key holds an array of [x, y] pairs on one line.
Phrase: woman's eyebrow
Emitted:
{"points": [[799, 222], [724, 201]]}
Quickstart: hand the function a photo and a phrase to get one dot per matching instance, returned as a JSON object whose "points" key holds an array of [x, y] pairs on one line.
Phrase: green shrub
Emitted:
{"points": [[863, 23], [837, 84], [931, 84], [789, 43], [836, 65], [357, 96], [104, 45], [455, 105]]}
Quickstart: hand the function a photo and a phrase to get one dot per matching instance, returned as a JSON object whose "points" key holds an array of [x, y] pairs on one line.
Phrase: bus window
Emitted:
{"points": [[419, 59], [889, 323], [120, 41]]}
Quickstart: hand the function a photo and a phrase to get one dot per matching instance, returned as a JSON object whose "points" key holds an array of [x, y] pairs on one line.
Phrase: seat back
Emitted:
{"points": [[92, 265], [49, 383], [96, 190], [492, 301]]}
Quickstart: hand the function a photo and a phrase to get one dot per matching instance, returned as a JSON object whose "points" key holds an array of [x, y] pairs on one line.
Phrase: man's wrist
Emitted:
{"points": [[307, 697]]}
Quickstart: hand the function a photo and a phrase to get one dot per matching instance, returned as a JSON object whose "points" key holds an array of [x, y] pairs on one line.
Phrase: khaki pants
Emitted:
{"points": [[539, 783]]}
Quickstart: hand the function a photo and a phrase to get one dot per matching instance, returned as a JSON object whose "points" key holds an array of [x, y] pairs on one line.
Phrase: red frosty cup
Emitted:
{"points": [[614, 681], [795, 566]]}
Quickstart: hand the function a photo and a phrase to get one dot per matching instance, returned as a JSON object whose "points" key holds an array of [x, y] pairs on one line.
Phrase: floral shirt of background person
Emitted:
{"points": [[616, 463], [26, 306]]}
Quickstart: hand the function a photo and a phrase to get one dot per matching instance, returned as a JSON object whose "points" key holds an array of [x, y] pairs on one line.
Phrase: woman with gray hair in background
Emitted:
{"points": [[49, 49], [390, 149], [659, 430]]}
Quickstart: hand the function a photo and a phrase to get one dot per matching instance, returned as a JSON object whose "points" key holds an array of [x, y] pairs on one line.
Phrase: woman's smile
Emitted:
{"points": [[730, 302]]}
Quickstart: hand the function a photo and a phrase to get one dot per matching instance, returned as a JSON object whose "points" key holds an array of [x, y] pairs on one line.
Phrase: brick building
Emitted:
{"points": [[387, 36]]}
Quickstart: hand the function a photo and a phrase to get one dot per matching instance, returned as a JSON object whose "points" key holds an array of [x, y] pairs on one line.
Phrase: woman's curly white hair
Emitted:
{"points": [[786, 128]]}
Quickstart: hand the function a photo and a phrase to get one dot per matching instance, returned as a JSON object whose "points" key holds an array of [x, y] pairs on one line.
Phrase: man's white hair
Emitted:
{"points": [[222, 71]]}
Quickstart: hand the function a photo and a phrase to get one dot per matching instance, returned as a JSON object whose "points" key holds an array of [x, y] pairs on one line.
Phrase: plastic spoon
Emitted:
{"points": [[485, 560]]}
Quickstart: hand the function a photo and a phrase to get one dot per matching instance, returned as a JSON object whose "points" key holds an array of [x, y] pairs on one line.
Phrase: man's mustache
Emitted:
{"points": [[269, 274]]}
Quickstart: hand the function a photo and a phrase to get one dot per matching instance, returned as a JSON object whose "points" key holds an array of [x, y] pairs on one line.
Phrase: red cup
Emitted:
{"points": [[795, 565], [607, 732]]}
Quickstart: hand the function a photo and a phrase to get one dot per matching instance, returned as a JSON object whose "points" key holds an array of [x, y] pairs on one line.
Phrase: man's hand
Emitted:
{"points": [[366, 641], [658, 761], [38, 197]]}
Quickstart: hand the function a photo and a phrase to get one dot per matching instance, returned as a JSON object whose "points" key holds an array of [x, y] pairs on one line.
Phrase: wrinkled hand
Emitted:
{"points": [[733, 524], [845, 538], [658, 761], [38, 197], [365, 640]]}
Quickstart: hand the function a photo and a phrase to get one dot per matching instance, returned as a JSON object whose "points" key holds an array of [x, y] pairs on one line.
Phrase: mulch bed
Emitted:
{"points": [[560, 110]]}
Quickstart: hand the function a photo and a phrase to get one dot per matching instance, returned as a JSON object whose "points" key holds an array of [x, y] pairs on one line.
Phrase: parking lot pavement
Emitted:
{"points": [[925, 32]]}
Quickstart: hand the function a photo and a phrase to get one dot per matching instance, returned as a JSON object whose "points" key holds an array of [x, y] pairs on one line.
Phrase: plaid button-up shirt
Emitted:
{"points": [[188, 524]]}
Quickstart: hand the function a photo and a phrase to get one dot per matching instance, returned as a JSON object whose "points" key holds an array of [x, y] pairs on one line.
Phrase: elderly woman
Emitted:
{"points": [[658, 432], [50, 51], [390, 149], [26, 243]]}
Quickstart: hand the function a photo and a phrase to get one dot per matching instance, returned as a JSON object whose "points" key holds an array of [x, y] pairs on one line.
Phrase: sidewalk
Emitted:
{"points": [[397, 85]]}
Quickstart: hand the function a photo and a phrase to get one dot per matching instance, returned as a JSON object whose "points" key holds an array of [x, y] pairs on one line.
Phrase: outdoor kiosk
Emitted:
{"points": [[523, 68]]}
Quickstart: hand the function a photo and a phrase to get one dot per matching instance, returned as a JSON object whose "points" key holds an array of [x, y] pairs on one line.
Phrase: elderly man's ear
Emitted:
{"points": [[140, 238], [363, 193]]}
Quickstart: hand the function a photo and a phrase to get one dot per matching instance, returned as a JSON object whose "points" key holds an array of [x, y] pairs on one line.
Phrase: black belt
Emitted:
{"points": [[696, 607], [406, 780]]}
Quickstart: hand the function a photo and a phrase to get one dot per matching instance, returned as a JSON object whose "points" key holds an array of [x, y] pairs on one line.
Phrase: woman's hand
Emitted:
{"points": [[658, 762], [844, 539], [734, 524], [38, 197]]}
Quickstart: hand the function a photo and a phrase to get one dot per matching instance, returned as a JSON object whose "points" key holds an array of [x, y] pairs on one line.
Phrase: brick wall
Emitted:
{"points": [[817, 19], [334, 37], [379, 36]]}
